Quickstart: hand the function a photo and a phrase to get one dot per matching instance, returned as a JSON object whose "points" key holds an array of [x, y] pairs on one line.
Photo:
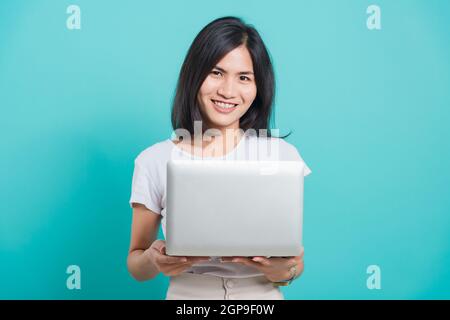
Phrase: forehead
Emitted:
{"points": [[237, 60]]}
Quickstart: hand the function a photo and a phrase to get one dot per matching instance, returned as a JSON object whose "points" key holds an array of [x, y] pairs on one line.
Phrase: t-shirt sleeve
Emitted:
{"points": [[294, 155], [144, 188]]}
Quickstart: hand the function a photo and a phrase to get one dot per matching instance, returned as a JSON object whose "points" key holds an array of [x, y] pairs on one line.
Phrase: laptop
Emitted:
{"points": [[234, 208]]}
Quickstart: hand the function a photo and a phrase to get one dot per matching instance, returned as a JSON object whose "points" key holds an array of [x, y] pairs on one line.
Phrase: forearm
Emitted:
{"points": [[140, 266]]}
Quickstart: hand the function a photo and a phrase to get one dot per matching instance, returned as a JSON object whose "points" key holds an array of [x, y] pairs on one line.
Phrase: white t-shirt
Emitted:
{"points": [[149, 185]]}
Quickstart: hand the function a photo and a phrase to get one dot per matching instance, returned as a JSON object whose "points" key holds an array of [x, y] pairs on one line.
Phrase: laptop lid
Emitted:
{"points": [[234, 208]]}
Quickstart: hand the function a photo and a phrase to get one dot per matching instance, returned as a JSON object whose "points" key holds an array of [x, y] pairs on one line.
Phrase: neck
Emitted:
{"points": [[223, 135]]}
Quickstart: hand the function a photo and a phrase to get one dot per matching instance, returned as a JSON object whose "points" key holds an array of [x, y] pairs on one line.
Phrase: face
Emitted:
{"points": [[228, 91]]}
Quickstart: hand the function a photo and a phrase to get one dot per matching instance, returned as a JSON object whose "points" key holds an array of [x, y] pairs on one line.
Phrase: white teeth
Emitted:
{"points": [[224, 105]]}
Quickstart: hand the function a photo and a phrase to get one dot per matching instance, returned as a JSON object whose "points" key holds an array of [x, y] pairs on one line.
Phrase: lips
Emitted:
{"points": [[224, 103], [223, 107]]}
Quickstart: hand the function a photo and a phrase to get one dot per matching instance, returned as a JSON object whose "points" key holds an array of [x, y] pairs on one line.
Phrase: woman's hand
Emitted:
{"points": [[275, 269], [169, 265]]}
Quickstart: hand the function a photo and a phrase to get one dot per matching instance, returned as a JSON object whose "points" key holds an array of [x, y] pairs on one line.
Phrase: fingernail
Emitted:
{"points": [[234, 260], [183, 260]]}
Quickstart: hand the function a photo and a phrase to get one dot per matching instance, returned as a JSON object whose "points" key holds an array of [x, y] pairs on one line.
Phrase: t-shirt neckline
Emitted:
{"points": [[241, 141]]}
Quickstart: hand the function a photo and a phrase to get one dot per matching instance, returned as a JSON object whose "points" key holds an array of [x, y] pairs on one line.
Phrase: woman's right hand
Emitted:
{"points": [[169, 265]]}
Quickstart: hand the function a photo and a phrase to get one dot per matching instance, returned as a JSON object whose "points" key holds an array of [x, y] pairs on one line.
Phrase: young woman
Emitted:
{"points": [[222, 111]]}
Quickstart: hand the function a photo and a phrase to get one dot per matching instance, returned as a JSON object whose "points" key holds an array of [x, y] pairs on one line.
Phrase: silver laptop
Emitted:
{"points": [[234, 208]]}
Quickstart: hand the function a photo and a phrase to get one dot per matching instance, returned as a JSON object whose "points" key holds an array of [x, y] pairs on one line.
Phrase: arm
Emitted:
{"points": [[147, 256], [144, 230]]}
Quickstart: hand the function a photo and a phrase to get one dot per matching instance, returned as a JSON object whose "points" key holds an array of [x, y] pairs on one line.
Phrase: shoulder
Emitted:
{"points": [[284, 150], [288, 150], [154, 155]]}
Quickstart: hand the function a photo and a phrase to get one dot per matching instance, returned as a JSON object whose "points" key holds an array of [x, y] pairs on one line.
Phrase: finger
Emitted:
{"points": [[158, 245], [247, 262], [197, 259], [159, 249], [294, 259], [171, 260], [293, 262], [241, 259], [230, 259], [162, 256], [299, 258], [227, 259], [262, 260]]}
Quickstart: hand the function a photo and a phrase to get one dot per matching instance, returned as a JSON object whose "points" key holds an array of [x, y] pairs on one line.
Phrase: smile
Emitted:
{"points": [[224, 105]]}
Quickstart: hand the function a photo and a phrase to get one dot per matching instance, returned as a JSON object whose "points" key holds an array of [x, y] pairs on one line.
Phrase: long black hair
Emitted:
{"points": [[212, 43]]}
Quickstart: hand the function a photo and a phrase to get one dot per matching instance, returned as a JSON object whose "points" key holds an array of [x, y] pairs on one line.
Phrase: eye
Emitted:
{"points": [[244, 78], [216, 73]]}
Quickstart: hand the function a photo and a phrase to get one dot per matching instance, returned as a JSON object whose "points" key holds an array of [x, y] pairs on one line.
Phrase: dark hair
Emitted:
{"points": [[213, 42]]}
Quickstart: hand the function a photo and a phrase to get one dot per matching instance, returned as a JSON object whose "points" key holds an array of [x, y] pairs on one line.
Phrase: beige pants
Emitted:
{"points": [[190, 286]]}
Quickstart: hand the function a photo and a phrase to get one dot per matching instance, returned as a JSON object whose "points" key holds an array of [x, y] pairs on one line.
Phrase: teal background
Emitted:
{"points": [[369, 111]]}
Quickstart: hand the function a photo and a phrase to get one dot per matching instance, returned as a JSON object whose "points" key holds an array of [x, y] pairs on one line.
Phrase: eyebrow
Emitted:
{"points": [[222, 70]]}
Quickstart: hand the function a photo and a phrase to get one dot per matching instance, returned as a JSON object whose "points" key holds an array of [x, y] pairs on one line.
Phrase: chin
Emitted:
{"points": [[221, 124]]}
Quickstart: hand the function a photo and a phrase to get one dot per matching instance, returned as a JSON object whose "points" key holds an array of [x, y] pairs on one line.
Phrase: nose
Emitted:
{"points": [[226, 89]]}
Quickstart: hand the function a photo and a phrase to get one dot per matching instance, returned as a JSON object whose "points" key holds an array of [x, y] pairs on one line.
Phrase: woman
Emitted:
{"points": [[224, 101]]}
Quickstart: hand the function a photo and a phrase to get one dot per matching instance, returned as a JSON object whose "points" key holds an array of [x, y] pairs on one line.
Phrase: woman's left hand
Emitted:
{"points": [[275, 269]]}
